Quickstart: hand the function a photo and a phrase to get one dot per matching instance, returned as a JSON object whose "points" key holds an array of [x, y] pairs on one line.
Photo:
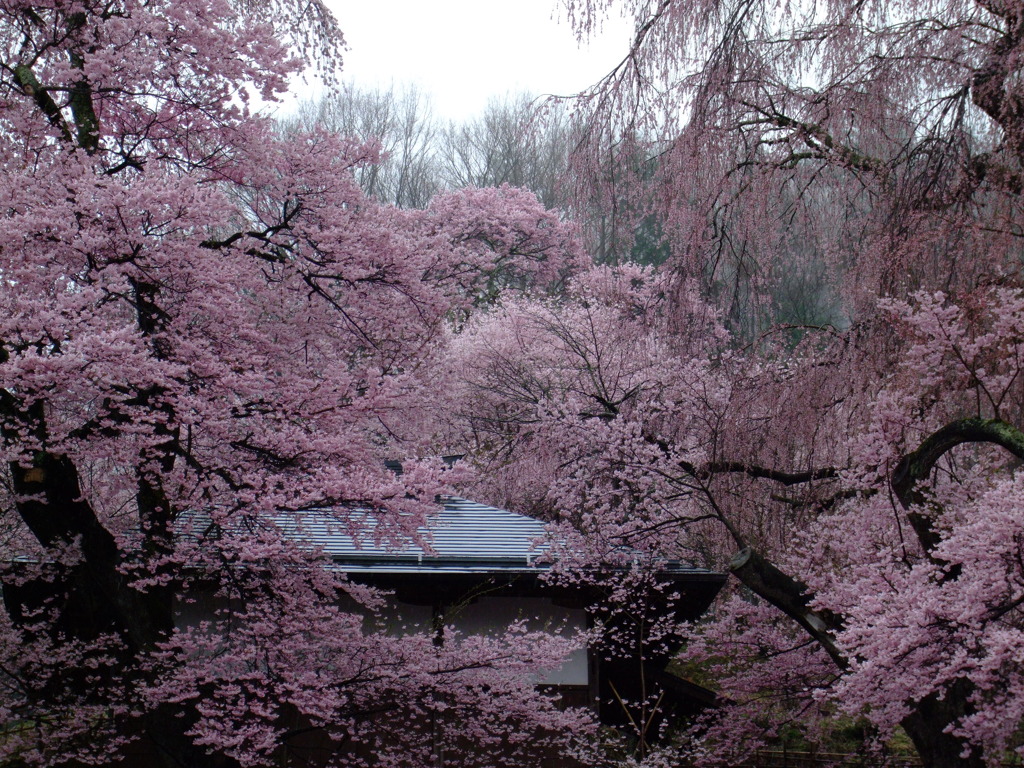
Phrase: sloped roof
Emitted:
{"points": [[462, 537]]}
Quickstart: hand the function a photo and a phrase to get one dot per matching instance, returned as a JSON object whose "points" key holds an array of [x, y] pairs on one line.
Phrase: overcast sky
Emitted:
{"points": [[463, 52]]}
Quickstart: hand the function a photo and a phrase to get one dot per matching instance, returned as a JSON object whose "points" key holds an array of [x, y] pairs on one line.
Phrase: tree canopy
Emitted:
{"points": [[821, 389], [199, 315]]}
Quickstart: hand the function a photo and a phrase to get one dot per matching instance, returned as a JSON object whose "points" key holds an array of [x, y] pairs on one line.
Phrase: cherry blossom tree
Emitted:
{"points": [[197, 316], [878, 570], [858, 478]]}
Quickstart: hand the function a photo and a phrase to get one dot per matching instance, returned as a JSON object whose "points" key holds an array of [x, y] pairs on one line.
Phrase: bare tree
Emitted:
{"points": [[400, 122], [513, 143]]}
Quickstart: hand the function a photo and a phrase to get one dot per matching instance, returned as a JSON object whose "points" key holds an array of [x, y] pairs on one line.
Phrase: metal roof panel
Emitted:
{"points": [[462, 537]]}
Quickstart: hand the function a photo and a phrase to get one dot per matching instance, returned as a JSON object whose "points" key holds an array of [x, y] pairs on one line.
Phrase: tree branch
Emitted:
{"points": [[753, 470], [916, 466], [790, 596], [31, 86]]}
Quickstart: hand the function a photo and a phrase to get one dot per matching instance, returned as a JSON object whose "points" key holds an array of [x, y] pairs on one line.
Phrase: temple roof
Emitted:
{"points": [[462, 537]]}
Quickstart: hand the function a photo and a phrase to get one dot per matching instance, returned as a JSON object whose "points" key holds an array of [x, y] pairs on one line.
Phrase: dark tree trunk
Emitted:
{"points": [[89, 600], [926, 727]]}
